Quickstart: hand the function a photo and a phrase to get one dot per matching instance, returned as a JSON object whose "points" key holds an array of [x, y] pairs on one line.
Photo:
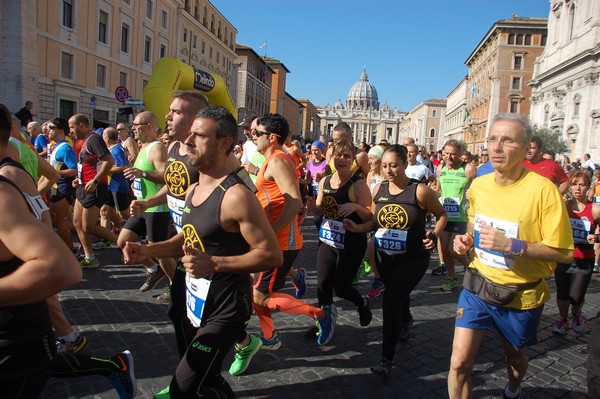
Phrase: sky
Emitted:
{"points": [[412, 50]]}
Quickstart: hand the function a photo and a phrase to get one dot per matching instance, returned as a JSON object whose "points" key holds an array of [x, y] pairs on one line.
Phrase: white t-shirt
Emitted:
{"points": [[249, 150], [418, 172]]}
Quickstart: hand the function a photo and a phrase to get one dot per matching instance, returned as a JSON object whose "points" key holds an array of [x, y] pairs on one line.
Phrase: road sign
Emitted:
{"points": [[134, 102], [93, 102], [121, 93]]}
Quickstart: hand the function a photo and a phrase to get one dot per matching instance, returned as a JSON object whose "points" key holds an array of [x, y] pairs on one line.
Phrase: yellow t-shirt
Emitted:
{"points": [[531, 209]]}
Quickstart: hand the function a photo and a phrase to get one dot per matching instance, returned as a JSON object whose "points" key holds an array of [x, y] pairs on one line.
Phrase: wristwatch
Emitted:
{"points": [[144, 174], [95, 181]]}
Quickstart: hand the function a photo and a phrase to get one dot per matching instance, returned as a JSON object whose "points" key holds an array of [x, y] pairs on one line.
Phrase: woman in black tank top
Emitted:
{"points": [[402, 246]]}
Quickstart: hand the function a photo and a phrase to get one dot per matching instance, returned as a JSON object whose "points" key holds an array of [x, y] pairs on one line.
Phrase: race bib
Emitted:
{"points": [[332, 233], [196, 291], [493, 258], [176, 206], [581, 229], [315, 188], [390, 241], [137, 188], [452, 207]]}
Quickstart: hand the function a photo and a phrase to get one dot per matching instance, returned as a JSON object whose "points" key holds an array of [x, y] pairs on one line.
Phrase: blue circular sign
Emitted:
{"points": [[121, 94]]}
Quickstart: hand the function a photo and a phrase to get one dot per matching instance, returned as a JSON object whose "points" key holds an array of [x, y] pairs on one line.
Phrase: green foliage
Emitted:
{"points": [[552, 141]]}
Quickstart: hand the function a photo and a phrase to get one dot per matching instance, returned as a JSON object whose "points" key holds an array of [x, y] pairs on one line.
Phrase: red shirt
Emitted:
{"points": [[547, 168]]}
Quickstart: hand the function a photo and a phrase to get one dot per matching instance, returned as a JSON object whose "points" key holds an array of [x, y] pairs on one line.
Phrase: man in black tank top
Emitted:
{"points": [[224, 242]]}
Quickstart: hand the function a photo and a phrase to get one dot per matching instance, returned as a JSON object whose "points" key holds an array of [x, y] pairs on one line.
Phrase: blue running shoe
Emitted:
{"points": [[272, 343], [300, 282], [326, 326], [124, 379]]}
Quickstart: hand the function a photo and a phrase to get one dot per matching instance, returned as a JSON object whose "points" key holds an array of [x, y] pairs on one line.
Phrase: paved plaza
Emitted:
{"points": [[108, 308]]}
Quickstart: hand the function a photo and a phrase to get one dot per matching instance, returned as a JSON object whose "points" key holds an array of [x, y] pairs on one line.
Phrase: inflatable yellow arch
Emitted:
{"points": [[170, 75]]}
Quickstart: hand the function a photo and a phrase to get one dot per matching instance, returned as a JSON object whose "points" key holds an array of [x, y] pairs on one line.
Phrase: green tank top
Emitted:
{"points": [[257, 160], [28, 158], [454, 184], [144, 188]]}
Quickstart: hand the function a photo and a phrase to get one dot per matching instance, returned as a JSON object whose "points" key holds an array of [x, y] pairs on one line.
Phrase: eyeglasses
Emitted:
{"points": [[484, 155], [504, 141], [259, 133]]}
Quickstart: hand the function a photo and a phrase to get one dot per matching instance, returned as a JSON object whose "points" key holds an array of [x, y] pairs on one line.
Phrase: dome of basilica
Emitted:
{"points": [[363, 95]]}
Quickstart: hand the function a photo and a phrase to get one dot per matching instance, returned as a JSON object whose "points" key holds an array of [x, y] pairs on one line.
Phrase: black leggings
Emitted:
{"points": [[199, 371], [400, 276], [184, 330], [573, 286], [336, 269]]}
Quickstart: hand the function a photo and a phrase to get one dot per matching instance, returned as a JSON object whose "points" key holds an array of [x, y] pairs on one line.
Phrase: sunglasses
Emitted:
{"points": [[484, 155], [259, 133]]}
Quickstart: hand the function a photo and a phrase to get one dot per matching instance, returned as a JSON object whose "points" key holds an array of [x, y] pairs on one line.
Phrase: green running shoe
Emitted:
{"points": [[164, 394], [244, 355]]}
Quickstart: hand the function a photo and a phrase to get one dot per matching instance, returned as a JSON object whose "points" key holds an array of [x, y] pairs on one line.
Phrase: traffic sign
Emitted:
{"points": [[121, 93], [93, 102], [134, 102]]}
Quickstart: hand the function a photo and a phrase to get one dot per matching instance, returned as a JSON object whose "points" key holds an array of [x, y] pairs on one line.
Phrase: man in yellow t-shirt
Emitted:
{"points": [[519, 228]]}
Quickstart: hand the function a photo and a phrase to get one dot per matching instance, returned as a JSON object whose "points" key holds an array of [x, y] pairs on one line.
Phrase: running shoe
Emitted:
{"points": [[326, 325], [366, 267], [450, 284], [164, 394], [89, 263], [439, 270], [577, 322], [270, 344], [364, 313], [152, 279], [595, 269], [383, 368], [561, 326], [63, 346], [505, 396], [124, 379], [102, 244], [165, 297], [243, 356], [300, 282], [377, 288]]}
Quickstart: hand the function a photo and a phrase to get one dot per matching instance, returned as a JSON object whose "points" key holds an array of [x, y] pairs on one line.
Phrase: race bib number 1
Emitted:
{"points": [[452, 207], [493, 258], [137, 188], [391, 241], [176, 207], [332, 233], [196, 291]]}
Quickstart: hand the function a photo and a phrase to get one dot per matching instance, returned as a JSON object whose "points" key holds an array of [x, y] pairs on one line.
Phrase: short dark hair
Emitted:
{"points": [[275, 123], [399, 150], [538, 142], [344, 128], [62, 124], [111, 133], [226, 125], [81, 119], [5, 124]]}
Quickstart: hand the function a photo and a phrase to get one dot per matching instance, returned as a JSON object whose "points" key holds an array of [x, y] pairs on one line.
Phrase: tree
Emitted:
{"points": [[552, 140]]}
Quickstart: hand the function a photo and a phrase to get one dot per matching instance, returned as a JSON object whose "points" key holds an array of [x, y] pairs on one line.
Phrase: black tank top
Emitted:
{"points": [[402, 212], [26, 337], [179, 175], [229, 298], [334, 197]]}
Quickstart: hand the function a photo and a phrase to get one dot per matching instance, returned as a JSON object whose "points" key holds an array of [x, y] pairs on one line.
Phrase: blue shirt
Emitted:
{"points": [[65, 155], [117, 181], [41, 143], [484, 169]]}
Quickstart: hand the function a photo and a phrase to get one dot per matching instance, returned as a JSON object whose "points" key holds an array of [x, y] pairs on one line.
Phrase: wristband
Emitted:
{"points": [[95, 181], [517, 247]]}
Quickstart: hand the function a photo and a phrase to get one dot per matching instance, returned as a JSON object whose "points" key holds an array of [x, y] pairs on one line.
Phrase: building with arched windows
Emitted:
{"points": [[566, 81], [369, 121]]}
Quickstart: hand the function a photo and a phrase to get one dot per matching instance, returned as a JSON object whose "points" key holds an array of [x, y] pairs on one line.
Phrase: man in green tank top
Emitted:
{"points": [[454, 178], [147, 180]]}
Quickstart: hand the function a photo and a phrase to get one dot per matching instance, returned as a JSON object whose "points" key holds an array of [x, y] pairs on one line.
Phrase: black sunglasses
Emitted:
{"points": [[259, 133]]}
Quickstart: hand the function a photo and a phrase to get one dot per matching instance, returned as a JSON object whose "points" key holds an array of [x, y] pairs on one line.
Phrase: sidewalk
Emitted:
{"points": [[108, 308]]}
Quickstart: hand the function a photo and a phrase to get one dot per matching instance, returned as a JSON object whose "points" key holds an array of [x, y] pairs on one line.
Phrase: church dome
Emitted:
{"points": [[362, 94]]}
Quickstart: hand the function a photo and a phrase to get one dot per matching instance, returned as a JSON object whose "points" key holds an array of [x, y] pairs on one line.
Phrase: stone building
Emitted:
{"points": [[453, 126], [253, 83], [566, 80], [423, 124], [369, 121]]}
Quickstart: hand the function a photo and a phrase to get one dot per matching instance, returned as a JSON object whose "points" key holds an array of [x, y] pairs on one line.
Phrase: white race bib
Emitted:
{"points": [[137, 188], [196, 291], [176, 206], [452, 207], [581, 229], [332, 233], [493, 258], [391, 241]]}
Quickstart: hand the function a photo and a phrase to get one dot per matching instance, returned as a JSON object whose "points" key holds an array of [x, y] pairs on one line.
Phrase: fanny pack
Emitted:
{"points": [[490, 292]]}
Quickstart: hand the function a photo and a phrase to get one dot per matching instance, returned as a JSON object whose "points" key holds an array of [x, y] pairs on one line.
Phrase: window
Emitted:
{"points": [[204, 17], [102, 27], [519, 40], [101, 76], [148, 49], [164, 19], [514, 106], [125, 38], [210, 52], [66, 109], [194, 42], [528, 40], [219, 30], [212, 23], [518, 62], [432, 133], [203, 47], [516, 83], [122, 79], [576, 104], [196, 12], [543, 40], [66, 65], [67, 14], [546, 113], [149, 9], [185, 35], [434, 113], [128, 2], [571, 21], [163, 51], [511, 38], [218, 57]]}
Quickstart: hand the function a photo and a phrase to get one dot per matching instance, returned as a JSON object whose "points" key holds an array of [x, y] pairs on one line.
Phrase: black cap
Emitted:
{"points": [[247, 120]]}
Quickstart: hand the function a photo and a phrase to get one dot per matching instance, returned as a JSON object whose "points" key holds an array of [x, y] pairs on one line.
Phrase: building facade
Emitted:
{"points": [[453, 126], [499, 68], [76, 53], [423, 124], [566, 80], [369, 122], [310, 121], [253, 83]]}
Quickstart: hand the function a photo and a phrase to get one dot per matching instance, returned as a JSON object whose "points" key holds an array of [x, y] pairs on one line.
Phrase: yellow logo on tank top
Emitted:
{"points": [[392, 216], [177, 178], [330, 206], [191, 238]]}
